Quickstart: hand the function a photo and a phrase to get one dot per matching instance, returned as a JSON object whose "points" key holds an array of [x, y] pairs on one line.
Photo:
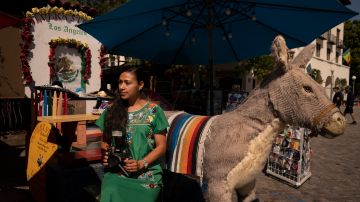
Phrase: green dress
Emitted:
{"points": [[145, 185]]}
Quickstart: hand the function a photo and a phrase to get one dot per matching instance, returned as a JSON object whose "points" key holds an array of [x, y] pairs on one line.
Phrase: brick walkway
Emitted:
{"points": [[335, 168]]}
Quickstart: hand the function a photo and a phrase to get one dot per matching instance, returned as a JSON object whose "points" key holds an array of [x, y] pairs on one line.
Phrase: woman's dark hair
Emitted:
{"points": [[117, 116]]}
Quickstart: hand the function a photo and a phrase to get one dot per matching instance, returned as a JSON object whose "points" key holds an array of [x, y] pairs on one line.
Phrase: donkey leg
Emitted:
{"points": [[220, 191], [247, 192]]}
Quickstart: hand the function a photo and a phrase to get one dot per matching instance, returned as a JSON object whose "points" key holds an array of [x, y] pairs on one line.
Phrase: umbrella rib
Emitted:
{"points": [[230, 44], [183, 22], [272, 28], [187, 34], [225, 20], [267, 5], [135, 36], [297, 7], [133, 15], [278, 31], [280, 7], [191, 21], [226, 36], [275, 30]]}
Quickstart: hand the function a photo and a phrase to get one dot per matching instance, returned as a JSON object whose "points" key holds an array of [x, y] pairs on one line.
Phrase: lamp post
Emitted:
{"points": [[353, 78], [331, 84]]}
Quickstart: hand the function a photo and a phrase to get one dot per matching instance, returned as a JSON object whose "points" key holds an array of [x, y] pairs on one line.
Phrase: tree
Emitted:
{"points": [[261, 66], [352, 41], [341, 83], [316, 75]]}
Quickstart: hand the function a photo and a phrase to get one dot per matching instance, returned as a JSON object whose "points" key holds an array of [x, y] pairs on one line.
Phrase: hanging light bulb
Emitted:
{"points": [[228, 11], [229, 34], [253, 15], [193, 39], [188, 13], [164, 22], [167, 33]]}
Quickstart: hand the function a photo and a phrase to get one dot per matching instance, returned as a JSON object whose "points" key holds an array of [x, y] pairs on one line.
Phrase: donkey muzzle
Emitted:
{"points": [[335, 126]]}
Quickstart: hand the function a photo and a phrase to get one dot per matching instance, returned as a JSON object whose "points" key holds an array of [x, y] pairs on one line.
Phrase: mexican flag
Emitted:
{"points": [[347, 57]]}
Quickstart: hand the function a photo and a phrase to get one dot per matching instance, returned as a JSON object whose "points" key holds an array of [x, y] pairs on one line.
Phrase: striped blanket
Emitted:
{"points": [[185, 143]]}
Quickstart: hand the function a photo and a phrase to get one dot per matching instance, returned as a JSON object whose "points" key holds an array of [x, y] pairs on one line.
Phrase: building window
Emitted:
{"points": [[318, 48], [337, 57], [329, 35], [328, 52], [112, 60]]}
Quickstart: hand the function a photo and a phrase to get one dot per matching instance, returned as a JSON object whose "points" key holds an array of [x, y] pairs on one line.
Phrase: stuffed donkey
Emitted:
{"points": [[232, 148]]}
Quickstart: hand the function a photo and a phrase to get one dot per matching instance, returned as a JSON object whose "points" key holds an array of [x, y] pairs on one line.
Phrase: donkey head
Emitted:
{"points": [[296, 98]]}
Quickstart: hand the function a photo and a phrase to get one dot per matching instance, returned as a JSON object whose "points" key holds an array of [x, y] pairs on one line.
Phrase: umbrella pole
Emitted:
{"points": [[209, 28], [211, 71]]}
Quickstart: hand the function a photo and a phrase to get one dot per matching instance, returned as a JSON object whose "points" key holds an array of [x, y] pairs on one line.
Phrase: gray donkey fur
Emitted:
{"points": [[239, 142]]}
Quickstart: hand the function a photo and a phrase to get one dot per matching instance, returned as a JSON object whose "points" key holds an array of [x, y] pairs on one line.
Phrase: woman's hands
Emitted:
{"points": [[104, 152], [132, 165]]}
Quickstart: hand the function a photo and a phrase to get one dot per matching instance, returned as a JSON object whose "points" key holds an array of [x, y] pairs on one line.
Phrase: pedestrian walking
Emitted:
{"points": [[349, 104], [338, 97]]}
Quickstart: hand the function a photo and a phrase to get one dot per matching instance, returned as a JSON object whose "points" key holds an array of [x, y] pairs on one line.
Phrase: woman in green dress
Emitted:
{"points": [[143, 125]]}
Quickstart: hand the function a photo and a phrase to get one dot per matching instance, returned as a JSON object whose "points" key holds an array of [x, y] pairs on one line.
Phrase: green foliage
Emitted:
{"points": [[101, 6], [352, 41], [341, 83], [261, 66], [135, 62], [316, 74]]}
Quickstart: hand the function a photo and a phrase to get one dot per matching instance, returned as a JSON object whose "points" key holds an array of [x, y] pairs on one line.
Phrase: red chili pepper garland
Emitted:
{"points": [[102, 60], [27, 37]]}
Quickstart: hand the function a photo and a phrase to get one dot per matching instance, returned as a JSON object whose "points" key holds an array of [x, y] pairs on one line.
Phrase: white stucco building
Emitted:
{"points": [[328, 58]]}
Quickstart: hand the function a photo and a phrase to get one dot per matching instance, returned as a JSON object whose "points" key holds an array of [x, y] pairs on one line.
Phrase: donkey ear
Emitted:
{"points": [[279, 51], [304, 56]]}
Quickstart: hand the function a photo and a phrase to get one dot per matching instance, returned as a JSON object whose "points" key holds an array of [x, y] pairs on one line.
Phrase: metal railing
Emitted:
{"points": [[340, 43], [15, 115]]}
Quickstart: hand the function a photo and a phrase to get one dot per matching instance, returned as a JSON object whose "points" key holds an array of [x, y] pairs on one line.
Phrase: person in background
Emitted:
{"points": [[349, 104], [338, 97], [57, 83], [144, 125]]}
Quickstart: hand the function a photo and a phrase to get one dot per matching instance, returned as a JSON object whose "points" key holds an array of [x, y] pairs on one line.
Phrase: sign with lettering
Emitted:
{"points": [[69, 60], [40, 150], [67, 29]]}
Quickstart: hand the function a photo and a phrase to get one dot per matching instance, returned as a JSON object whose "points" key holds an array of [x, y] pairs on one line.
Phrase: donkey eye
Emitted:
{"points": [[308, 89]]}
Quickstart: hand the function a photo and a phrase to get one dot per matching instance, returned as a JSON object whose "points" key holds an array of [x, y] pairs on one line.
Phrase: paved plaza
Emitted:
{"points": [[335, 168]]}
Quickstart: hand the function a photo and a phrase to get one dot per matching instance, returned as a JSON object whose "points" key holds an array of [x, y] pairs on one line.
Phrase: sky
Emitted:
{"points": [[355, 6]]}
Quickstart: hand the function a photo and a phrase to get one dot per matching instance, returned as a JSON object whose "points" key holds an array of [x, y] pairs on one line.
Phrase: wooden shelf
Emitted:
{"points": [[68, 118]]}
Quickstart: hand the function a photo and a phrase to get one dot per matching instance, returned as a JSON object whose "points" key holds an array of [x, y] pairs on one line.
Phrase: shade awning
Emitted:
{"points": [[7, 20]]}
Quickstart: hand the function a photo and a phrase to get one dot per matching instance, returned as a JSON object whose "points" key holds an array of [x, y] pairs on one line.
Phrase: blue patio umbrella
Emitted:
{"points": [[212, 31]]}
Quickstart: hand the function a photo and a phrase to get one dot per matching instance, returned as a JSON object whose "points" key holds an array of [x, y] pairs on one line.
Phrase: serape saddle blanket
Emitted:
{"points": [[185, 143]]}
